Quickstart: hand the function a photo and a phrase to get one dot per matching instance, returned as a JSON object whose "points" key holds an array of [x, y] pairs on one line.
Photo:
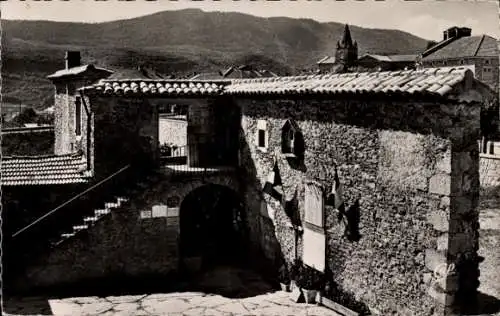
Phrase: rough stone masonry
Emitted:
{"points": [[411, 170]]}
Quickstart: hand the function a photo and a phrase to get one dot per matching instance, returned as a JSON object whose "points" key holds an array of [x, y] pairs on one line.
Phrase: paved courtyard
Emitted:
{"points": [[225, 291], [173, 304]]}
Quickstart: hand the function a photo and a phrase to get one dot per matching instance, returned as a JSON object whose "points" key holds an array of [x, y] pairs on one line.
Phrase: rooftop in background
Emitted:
{"points": [[43, 170], [233, 72], [433, 82], [327, 60], [392, 58], [78, 71], [462, 45]]}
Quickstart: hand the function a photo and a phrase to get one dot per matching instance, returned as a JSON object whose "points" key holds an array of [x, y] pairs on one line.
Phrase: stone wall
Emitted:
{"points": [[489, 170], [173, 131], [401, 165], [140, 239], [124, 130]]}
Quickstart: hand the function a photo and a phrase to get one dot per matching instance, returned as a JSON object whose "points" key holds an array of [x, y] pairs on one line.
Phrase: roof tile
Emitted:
{"points": [[43, 170]]}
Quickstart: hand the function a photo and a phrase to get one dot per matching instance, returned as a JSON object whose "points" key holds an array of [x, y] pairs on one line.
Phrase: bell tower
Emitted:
{"points": [[347, 51]]}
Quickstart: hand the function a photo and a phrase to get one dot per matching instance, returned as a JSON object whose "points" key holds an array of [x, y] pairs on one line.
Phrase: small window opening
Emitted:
{"points": [[262, 138], [78, 116]]}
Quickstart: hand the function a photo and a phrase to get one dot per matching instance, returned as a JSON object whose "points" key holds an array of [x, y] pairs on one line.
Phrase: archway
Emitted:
{"points": [[212, 226]]}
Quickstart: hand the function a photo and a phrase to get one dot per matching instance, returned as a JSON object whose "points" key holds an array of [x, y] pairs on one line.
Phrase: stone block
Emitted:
{"points": [[435, 260], [439, 219], [461, 205], [159, 211], [146, 214], [448, 284], [461, 161], [461, 242], [444, 164], [441, 297], [442, 242], [173, 212], [440, 184]]}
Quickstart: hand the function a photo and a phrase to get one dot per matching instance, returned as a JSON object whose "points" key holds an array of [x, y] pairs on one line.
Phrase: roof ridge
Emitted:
{"points": [[71, 155]]}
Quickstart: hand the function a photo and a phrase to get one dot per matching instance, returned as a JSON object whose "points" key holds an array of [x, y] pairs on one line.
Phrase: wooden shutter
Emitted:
{"points": [[314, 204]]}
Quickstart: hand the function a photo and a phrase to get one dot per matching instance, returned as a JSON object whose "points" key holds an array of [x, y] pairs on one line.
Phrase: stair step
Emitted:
{"points": [[80, 227], [101, 212], [67, 235], [90, 219], [121, 200], [111, 205]]}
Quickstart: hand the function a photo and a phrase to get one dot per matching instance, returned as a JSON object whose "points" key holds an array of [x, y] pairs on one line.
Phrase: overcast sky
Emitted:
{"points": [[426, 18]]}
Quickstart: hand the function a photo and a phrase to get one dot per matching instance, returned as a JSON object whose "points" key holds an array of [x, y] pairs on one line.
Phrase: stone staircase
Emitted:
{"points": [[114, 204], [92, 220]]}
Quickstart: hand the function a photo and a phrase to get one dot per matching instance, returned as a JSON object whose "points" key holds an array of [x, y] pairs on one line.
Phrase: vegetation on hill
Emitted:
{"points": [[177, 43]]}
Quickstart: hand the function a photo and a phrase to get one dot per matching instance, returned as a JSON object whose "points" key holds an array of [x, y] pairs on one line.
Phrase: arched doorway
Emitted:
{"points": [[212, 226]]}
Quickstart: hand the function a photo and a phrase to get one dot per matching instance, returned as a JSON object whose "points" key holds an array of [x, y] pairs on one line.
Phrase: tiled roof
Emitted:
{"points": [[159, 87], [392, 58], [430, 82], [75, 71], [433, 81], [327, 60], [43, 170], [469, 46]]}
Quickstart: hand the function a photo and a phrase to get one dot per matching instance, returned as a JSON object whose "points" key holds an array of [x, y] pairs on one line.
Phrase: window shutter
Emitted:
{"points": [[314, 204]]}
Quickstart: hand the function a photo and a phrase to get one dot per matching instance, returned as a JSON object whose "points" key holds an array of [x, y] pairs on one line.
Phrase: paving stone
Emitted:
{"points": [[196, 311], [93, 308], [233, 308], [162, 307], [125, 298]]}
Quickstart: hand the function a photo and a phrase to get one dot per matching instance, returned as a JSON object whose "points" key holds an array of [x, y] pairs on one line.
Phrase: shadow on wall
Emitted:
{"points": [[264, 242]]}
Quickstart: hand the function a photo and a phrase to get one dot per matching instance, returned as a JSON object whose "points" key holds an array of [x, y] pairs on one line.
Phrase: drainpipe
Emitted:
{"points": [[89, 132]]}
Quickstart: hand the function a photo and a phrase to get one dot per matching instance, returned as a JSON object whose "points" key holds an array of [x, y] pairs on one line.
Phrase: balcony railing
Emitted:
{"points": [[197, 158]]}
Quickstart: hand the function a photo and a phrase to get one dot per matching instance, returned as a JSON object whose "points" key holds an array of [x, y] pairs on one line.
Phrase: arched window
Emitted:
{"points": [[291, 143]]}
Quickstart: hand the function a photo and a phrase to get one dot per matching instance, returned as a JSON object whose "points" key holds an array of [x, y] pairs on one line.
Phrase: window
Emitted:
{"points": [[262, 138], [462, 62], [78, 116], [262, 135], [487, 69], [291, 140], [486, 62]]}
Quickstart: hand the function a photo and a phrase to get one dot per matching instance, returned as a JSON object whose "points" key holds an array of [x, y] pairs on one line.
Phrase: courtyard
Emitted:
{"points": [[227, 291]]}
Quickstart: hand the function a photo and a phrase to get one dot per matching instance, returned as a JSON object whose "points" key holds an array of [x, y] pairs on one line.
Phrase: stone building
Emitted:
{"points": [[458, 48], [480, 53], [387, 62], [261, 159], [346, 55]]}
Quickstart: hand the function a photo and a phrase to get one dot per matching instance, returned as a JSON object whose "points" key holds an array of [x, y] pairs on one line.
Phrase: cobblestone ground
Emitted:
{"points": [[171, 304], [233, 292]]}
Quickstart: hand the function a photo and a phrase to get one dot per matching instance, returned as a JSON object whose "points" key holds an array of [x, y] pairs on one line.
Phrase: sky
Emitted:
{"points": [[427, 18]]}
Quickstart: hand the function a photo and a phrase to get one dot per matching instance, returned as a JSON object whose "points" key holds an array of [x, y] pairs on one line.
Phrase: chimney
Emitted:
{"points": [[456, 32], [72, 59]]}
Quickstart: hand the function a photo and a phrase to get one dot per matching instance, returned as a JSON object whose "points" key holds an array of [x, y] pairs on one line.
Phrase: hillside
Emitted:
{"points": [[176, 42]]}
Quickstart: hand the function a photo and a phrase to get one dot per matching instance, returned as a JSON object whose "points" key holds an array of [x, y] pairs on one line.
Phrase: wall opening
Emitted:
{"points": [[212, 226]]}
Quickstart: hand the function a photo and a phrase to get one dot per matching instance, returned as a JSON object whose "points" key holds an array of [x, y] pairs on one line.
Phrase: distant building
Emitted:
{"points": [[387, 62], [346, 55], [459, 48], [233, 72]]}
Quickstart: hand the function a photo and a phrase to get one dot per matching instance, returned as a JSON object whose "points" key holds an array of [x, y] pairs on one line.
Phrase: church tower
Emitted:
{"points": [[347, 51]]}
